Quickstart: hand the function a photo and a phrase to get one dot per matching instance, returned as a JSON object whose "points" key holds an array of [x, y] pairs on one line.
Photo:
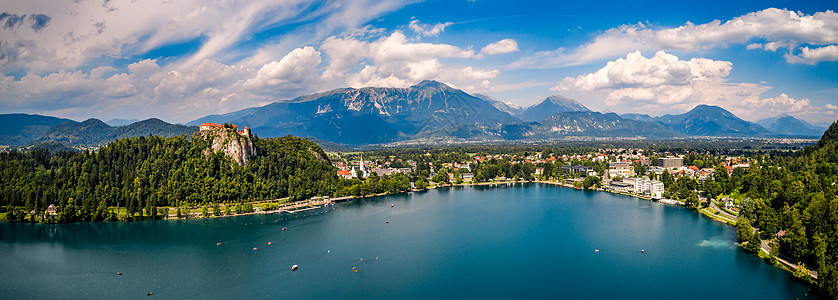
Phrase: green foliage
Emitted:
{"points": [[743, 230], [801, 272], [591, 181], [138, 175], [772, 254], [753, 244]]}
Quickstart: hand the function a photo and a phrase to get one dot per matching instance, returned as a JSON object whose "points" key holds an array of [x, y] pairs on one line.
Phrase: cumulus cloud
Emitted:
{"points": [[428, 30], [664, 82], [185, 91], [291, 72], [394, 61], [814, 55], [500, 47], [781, 27], [662, 78]]}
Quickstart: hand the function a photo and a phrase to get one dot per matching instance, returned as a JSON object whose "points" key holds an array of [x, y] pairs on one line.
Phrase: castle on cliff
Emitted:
{"points": [[214, 126]]}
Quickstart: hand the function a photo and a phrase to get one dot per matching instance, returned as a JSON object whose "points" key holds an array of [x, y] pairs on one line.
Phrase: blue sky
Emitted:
{"points": [[180, 60]]}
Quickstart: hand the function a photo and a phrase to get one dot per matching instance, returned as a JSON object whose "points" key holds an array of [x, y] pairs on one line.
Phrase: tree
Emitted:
{"points": [[801, 272], [692, 200], [440, 177], [421, 184], [591, 181], [754, 244], [794, 242], [204, 212], [743, 230], [772, 254]]}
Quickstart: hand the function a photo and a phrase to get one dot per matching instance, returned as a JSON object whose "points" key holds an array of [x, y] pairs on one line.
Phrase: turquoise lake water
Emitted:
{"points": [[507, 241]]}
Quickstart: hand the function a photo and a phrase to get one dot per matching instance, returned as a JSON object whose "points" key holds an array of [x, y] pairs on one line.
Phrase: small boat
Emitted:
{"points": [[254, 248], [294, 268], [284, 228], [269, 243], [392, 205], [388, 222], [643, 251], [150, 293], [596, 250], [120, 273], [218, 244]]}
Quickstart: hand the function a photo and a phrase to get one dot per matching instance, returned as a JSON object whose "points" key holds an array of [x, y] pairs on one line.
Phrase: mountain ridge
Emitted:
{"points": [[788, 125]]}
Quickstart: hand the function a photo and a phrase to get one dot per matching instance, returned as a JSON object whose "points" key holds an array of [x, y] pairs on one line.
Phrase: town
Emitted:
{"points": [[668, 177]]}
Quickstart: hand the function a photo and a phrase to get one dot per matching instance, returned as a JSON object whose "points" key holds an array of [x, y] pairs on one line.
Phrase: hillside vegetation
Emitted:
{"points": [[143, 173]]}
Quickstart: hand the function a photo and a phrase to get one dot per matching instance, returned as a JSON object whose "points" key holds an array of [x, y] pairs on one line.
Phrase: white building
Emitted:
{"points": [[647, 186]]}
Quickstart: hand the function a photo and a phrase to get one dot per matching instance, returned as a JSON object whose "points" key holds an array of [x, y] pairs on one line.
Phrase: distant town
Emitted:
{"points": [[631, 171]]}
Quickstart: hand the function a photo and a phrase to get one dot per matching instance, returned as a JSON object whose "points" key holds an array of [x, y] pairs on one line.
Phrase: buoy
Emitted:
{"points": [[294, 268], [362, 259], [376, 258], [218, 244], [392, 205], [388, 222], [353, 268], [269, 243], [356, 271], [120, 273], [328, 251], [643, 251]]}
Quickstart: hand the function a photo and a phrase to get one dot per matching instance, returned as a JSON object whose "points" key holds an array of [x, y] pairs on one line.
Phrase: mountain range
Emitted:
{"points": [[429, 112], [43, 130], [788, 125]]}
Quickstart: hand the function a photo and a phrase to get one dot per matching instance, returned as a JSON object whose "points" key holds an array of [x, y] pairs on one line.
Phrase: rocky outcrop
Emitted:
{"points": [[237, 146]]}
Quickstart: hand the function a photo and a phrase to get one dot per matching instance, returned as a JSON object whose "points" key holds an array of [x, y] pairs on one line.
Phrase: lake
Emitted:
{"points": [[505, 241]]}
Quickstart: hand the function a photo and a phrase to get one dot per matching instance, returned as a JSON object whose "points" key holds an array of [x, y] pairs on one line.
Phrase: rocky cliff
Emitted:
{"points": [[237, 146]]}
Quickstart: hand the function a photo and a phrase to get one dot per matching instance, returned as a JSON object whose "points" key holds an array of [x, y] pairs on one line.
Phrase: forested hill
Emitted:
{"points": [[799, 195], [143, 173]]}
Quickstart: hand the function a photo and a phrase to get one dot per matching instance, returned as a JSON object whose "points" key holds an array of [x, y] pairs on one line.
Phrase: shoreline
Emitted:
{"points": [[310, 204]]}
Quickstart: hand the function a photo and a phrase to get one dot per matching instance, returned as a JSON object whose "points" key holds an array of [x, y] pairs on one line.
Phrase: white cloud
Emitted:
{"points": [[781, 27], [394, 61], [500, 47], [294, 71], [183, 92], [814, 55], [79, 32], [662, 78], [428, 30], [664, 83], [832, 107], [780, 104]]}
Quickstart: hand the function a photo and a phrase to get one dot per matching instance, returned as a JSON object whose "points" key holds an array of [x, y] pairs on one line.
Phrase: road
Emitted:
{"points": [[722, 212], [766, 248]]}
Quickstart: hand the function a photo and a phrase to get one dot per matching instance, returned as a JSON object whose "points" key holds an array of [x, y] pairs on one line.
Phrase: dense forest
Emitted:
{"points": [[137, 175]]}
